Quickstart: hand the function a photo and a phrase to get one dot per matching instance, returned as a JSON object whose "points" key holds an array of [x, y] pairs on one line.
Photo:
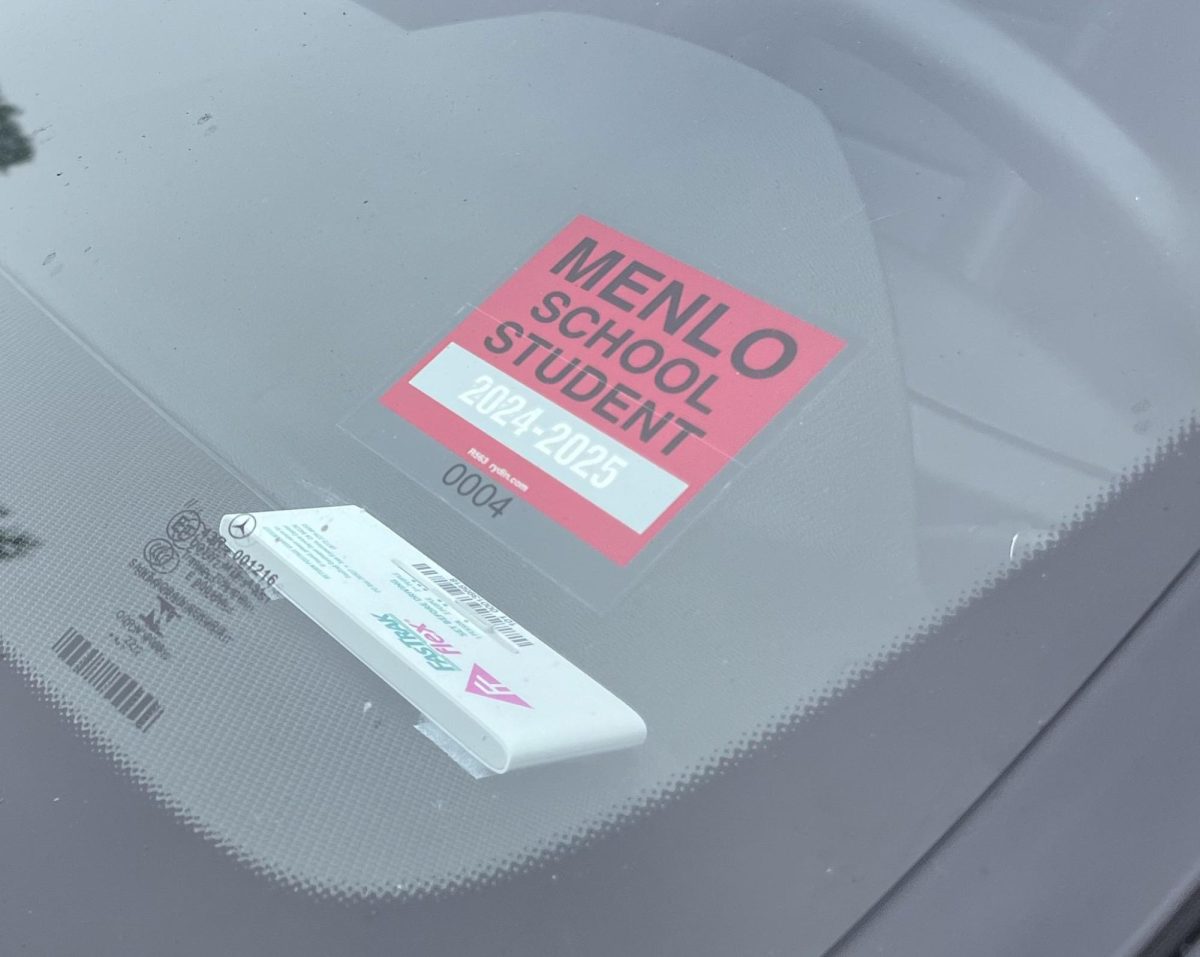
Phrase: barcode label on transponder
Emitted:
{"points": [[107, 677], [477, 603]]}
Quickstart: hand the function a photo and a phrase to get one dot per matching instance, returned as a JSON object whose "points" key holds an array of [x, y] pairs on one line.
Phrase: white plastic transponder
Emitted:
{"points": [[511, 701]]}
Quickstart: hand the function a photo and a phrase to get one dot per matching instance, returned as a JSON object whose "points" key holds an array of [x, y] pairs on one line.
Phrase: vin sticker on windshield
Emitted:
{"points": [[606, 383]]}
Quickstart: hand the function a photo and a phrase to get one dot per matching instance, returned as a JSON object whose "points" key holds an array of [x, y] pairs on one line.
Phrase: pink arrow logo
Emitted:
{"points": [[484, 685]]}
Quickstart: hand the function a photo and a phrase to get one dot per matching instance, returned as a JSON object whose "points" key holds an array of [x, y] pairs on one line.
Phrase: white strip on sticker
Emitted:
{"points": [[611, 476], [508, 699]]}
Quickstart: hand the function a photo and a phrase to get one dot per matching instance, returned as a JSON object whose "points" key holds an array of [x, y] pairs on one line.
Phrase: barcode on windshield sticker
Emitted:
{"points": [[99, 671], [477, 603]]}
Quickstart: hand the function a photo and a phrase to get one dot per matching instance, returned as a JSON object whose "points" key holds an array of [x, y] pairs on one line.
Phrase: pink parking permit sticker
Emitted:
{"points": [[607, 383]]}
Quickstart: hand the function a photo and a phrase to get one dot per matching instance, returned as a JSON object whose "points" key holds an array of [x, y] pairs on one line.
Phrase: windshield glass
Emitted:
{"points": [[723, 351]]}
